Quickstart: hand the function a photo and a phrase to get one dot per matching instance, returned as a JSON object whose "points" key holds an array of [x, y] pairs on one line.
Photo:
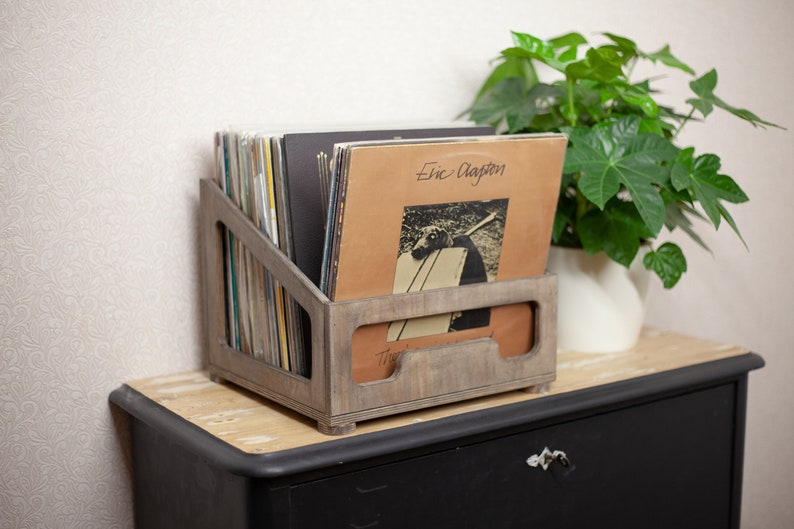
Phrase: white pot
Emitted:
{"points": [[600, 303]]}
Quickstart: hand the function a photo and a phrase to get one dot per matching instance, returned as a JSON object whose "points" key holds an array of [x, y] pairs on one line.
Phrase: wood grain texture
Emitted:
{"points": [[256, 425]]}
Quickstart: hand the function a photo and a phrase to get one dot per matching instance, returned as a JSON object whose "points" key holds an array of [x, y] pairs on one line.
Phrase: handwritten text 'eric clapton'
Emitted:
{"points": [[434, 171]]}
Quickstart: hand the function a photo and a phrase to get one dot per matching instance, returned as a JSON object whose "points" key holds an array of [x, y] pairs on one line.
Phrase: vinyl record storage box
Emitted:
{"points": [[422, 378]]}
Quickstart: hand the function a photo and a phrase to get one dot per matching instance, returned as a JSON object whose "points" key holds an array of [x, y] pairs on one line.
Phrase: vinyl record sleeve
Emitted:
{"points": [[304, 153], [391, 191]]}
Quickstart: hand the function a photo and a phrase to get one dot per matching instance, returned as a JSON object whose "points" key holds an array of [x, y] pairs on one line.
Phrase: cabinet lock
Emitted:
{"points": [[547, 457]]}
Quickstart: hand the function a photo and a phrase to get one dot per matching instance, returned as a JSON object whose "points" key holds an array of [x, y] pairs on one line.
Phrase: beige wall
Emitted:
{"points": [[107, 111]]}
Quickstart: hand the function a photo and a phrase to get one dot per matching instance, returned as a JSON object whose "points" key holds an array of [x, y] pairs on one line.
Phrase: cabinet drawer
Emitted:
{"points": [[666, 463]]}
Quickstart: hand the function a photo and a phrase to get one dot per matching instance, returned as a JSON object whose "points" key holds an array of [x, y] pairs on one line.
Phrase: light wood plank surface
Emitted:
{"points": [[255, 425]]}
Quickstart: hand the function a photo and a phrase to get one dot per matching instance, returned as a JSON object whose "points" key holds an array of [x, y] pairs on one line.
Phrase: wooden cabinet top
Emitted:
{"points": [[254, 425]]}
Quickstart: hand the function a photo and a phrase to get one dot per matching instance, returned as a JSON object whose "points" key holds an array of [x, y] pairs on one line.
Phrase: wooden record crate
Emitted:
{"points": [[422, 378]]}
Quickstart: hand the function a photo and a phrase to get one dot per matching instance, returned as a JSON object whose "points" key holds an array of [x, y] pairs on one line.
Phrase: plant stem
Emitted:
{"points": [[582, 204], [631, 64], [571, 110], [684, 122]]}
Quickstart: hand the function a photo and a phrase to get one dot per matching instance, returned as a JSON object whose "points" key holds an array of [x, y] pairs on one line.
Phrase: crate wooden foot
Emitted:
{"points": [[538, 389], [214, 377], [339, 429]]}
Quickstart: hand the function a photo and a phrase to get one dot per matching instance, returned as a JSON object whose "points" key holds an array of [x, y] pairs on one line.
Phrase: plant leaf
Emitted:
{"points": [[569, 40], [700, 176], [617, 231], [668, 262], [534, 45], [704, 87], [626, 47], [538, 49], [729, 219], [635, 95], [510, 67], [564, 217], [610, 158], [654, 126], [666, 57], [600, 64], [680, 174], [676, 218], [506, 102], [569, 44]]}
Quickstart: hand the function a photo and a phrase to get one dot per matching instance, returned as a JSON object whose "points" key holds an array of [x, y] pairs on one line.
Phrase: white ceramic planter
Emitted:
{"points": [[601, 304]]}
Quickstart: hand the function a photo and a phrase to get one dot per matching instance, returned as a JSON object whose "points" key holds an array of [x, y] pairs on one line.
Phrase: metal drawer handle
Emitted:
{"points": [[547, 457]]}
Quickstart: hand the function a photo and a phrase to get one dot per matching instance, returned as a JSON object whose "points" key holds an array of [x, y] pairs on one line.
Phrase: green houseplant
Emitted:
{"points": [[625, 178]]}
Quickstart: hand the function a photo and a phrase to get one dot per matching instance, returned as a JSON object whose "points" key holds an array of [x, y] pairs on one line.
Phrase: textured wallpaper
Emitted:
{"points": [[107, 111], [98, 250]]}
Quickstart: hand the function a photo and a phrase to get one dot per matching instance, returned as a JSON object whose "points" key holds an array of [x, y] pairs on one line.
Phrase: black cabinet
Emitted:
{"points": [[665, 464], [656, 451]]}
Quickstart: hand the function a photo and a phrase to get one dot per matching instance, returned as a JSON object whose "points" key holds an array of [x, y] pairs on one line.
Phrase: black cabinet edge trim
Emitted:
{"points": [[345, 450]]}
